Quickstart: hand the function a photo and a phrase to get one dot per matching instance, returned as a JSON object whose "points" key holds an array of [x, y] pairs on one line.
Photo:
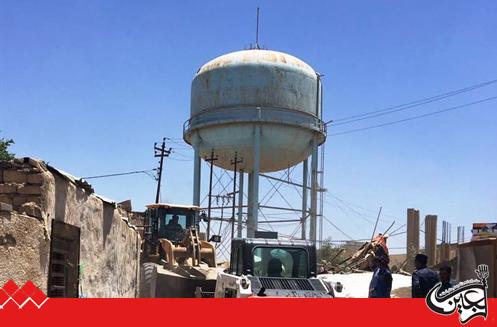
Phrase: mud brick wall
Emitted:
{"points": [[31, 195], [22, 183]]}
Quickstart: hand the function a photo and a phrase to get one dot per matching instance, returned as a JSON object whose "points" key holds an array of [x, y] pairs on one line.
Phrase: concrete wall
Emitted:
{"points": [[431, 239], [412, 237], [24, 249], [109, 244], [446, 252], [474, 253]]}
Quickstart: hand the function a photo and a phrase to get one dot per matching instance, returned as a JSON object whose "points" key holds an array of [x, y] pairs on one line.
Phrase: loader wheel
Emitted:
{"points": [[148, 279]]}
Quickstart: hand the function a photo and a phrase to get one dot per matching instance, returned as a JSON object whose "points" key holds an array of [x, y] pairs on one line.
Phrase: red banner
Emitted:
{"points": [[234, 312], [29, 306]]}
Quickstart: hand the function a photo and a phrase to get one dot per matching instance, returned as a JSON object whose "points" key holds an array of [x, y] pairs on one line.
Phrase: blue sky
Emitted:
{"points": [[90, 85]]}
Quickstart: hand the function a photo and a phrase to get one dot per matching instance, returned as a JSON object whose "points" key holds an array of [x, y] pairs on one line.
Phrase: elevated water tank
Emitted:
{"points": [[235, 92]]}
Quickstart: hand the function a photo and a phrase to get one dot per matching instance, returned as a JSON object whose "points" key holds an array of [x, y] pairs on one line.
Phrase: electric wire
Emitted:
{"points": [[408, 105], [120, 174], [414, 117]]}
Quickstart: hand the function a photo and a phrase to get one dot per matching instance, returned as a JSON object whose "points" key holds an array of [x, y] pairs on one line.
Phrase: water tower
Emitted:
{"points": [[263, 107]]}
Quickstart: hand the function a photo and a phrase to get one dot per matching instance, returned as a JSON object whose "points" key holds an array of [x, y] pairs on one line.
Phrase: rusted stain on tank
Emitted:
{"points": [[254, 56], [216, 63]]}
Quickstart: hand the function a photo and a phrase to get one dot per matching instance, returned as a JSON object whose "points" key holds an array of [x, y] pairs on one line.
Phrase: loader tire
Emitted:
{"points": [[148, 279]]}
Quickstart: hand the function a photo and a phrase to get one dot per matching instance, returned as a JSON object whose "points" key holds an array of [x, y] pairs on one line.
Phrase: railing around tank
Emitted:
{"points": [[254, 114]]}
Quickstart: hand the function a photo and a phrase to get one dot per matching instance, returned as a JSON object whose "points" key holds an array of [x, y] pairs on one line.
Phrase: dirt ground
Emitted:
{"points": [[356, 285], [402, 292]]}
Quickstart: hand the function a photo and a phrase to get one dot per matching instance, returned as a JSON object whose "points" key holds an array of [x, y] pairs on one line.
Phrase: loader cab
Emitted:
{"points": [[176, 258], [273, 258], [167, 221], [160, 217]]}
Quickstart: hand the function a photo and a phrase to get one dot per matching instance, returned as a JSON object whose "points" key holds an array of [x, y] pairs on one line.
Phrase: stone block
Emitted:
{"points": [[18, 200], [5, 164], [35, 199], [8, 188], [14, 176], [5, 199], [31, 209], [29, 189], [34, 165], [5, 207], [35, 179]]}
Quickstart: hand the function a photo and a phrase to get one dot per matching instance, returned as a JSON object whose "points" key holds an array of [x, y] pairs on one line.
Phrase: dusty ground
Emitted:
{"points": [[356, 285], [403, 292]]}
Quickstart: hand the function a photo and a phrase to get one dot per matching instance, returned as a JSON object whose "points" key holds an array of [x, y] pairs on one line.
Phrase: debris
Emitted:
{"points": [[5, 207]]}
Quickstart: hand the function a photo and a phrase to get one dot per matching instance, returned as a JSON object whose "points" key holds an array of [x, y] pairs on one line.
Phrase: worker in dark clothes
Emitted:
{"points": [[275, 268], [445, 273], [381, 282], [174, 230], [423, 279]]}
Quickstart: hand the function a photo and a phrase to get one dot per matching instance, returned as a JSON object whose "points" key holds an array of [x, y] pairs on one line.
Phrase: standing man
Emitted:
{"points": [[445, 273], [423, 279], [381, 282]]}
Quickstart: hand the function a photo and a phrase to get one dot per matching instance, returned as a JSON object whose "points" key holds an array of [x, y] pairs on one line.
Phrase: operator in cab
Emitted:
{"points": [[275, 268], [173, 230]]}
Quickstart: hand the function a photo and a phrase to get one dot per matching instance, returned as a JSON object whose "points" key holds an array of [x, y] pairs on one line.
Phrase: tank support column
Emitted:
{"points": [[305, 171], [254, 185], [249, 201], [314, 188], [196, 177]]}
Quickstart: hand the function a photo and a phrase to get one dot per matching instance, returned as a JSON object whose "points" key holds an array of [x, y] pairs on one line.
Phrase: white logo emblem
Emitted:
{"points": [[469, 298]]}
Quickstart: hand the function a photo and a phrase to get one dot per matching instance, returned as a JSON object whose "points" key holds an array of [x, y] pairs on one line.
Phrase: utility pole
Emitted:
{"points": [[210, 160], [160, 152], [234, 163], [240, 205], [225, 199]]}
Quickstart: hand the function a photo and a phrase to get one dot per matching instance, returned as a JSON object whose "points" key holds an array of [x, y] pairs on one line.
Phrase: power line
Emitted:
{"points": [[338, 228], [414, 117], [181, 145], [175, 151], [408, 105], [363, 216], [183, 160], [351, 209], [121, 174]]}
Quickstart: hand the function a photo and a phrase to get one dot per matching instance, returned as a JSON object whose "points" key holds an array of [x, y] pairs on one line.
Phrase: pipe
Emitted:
{"points": [[314, 182]]}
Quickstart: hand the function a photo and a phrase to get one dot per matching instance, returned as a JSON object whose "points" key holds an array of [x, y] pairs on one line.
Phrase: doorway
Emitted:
{"points": [[63, 272]]}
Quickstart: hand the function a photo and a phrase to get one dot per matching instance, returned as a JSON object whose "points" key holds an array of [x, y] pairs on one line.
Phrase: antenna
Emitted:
{"points": [[257, 31]]}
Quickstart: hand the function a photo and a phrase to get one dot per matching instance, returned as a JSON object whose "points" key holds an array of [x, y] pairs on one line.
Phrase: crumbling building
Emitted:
{"points": [[56, 232]]}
